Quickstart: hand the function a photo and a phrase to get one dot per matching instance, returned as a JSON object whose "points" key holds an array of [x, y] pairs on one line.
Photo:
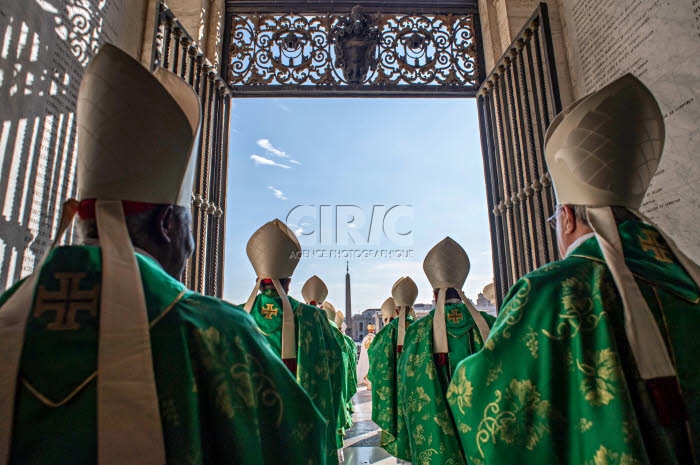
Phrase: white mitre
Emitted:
{"points": [[132, 127], [329, 309], [339, 318], [388, 308], [490, 293], [137, 134], [447, 266], [274, 252], [314, 291], [603, 151], [604, 148], [404, 292]]}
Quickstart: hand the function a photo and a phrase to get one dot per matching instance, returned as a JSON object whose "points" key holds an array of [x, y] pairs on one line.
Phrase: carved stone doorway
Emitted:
{"points": [[403, 48]]}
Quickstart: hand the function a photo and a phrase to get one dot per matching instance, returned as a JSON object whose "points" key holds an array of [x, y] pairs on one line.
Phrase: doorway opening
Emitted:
{"points": [[370, 181]]}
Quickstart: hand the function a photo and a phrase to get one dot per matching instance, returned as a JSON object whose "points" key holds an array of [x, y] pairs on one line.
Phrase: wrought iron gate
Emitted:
{"points": [[339, 49], [516, 103], [175, 50]]}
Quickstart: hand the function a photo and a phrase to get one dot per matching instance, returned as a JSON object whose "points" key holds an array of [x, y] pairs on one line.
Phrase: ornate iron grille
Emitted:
{"points": [[516, 103], [369, 54], [175, 50]]}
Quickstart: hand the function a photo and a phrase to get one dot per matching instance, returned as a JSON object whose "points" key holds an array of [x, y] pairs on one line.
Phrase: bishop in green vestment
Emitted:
{"points": [[424, 370], [224, 396], [592, 359], [297, 332], [314, 291], [384, 354], [106, 357], [350, 349], [345, 413]]}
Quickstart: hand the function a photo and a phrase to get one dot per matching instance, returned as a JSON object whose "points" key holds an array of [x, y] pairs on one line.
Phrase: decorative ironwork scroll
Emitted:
{"points": [[337, 54], [175, 50], [516, 103]]}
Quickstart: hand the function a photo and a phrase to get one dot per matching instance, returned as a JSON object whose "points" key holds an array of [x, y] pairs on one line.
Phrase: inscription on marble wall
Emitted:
{"points": [[44, 48], [659, 42]]}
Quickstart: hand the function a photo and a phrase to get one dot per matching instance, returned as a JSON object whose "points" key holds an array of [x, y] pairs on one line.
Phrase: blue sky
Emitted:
{"points": [[423, 154]]}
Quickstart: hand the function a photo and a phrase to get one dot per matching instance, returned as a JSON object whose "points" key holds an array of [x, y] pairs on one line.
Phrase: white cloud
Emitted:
{"points": [[271, 149], [281, 105], [295, 162], [277, 193], [258, 160], [296, 228]]}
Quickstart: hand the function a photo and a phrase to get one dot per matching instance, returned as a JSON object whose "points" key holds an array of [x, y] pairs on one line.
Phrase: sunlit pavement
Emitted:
{"points": [[362, 440]]}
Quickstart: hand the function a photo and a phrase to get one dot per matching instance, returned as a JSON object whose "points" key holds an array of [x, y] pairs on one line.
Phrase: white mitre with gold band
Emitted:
{"points": [[388, 309], [447, 266], [603, 151], [404, 292], [329, 309], [314, 291], [274, 252], [137, 134]]}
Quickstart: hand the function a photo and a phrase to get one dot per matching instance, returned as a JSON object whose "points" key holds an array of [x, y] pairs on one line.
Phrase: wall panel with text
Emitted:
{"points": [[659, 42]]}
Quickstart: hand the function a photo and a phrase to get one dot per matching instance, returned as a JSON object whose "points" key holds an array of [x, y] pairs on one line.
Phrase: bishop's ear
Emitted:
{"points": [[568, 218], [164, 223]]}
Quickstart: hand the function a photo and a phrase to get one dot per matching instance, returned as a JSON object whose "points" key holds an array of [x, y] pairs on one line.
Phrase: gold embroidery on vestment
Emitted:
{"points": [[605, 456], [455, 316], [268, 311], [532, 343], [460, 391], [601, 377], [49, 403], [578, 314], [584, 425], [513, 313], [649, 242], [526, 407], [640, 277], [67, 301]]}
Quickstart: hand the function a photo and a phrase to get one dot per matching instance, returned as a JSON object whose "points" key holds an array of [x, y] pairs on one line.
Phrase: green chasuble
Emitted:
{"points": [[343, 421], [351, 347], [319, 357], [386, 410], [225, 398], [349, 380], [556, 382], [423, 385]]}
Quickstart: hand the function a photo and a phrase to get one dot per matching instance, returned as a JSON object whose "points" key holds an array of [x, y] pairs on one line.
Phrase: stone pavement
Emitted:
{"points": [[362, 440]]}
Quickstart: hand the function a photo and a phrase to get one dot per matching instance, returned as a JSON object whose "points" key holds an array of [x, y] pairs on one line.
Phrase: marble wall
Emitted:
{"points": [[502, 20], [595, 42], [204, 21]]}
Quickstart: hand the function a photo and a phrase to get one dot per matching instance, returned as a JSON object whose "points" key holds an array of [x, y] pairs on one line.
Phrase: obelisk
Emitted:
{"points": [[348, 313]]}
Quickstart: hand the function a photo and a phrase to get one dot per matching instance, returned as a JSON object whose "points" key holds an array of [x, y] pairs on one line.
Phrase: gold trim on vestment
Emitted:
{"points": [[49, 403], [457, 336], [647, 280]]}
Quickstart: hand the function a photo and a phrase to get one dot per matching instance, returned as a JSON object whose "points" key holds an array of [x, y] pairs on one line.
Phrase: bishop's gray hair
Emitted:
{"points": [[580, 214], [621, 214]]}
